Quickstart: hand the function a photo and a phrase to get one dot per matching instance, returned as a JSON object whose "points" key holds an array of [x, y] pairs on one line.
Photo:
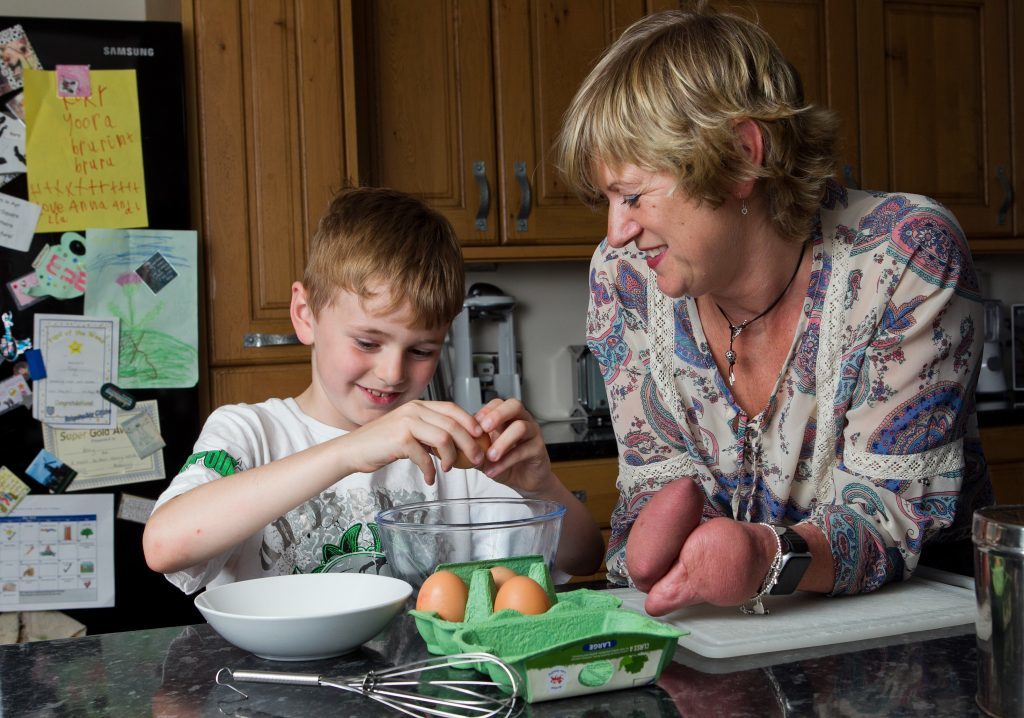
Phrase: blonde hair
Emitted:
{"points": [[666, 96], [372, 238]]}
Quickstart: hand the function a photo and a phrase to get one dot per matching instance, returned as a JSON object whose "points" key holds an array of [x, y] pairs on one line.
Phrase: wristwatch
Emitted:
{"points": [[796, 558]]}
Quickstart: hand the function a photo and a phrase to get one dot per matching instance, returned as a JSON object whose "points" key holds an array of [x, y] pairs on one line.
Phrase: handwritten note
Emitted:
{"points": [[18, 220], [85, 167]]}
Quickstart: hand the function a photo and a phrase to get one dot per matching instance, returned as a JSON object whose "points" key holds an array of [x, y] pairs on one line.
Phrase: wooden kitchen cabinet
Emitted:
{"points": [[461, 102], [593, 482], [1004, 454], [935, 87], [923, 88], [274, 119], [815, 36]]}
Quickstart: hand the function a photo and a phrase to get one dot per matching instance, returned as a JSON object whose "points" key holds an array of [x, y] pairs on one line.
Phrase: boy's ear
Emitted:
{"points": [[302, 314]]}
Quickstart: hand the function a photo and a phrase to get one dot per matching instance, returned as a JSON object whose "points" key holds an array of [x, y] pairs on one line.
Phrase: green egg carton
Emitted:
{"points": [[585, 643]]}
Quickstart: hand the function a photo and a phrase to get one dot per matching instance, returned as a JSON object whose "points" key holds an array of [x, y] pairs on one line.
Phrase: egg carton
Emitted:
{"points": [[585, 643]]}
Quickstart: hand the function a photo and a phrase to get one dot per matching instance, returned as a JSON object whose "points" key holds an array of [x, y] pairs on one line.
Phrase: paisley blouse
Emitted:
{"points": [[870, 432]]}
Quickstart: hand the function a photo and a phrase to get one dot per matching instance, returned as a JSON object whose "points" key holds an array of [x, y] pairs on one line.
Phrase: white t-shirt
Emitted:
{"points": [[333, 531]]}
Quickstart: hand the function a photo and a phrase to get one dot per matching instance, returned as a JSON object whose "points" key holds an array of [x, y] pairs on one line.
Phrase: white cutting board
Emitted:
{"points": [[803, 620]]}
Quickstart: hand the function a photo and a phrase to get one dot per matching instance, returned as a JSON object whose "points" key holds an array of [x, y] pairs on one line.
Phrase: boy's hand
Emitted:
{"points": [[413, 431], [518, 456]]}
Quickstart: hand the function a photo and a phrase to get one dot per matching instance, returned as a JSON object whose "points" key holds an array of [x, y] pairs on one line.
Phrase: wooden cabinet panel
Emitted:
{"points": [[253, 384], [430, 123], [815, 36], [593, 481], [1004, 453], [935, 115], [544, 51], [464, 98], [273, 81]]}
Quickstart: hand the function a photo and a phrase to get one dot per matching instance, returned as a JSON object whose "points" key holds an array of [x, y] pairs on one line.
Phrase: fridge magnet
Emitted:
{"points": [[135, 508], [117, 396], [51, 472], [12, 145], [18, 220], [12, 490], [143, 433], [156, 272], [97, 152], [73, 81], [17, 55], [34, 363], [15, 106], [159, 321], [19, 290], [81, 356], [11, 348], [14, 392], [107, 457], [61, 269]]}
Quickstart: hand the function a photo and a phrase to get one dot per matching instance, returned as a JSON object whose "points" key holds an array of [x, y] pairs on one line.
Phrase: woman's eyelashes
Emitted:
{"points": [[631, 199]]}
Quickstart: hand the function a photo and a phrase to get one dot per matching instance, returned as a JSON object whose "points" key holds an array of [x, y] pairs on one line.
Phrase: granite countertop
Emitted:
{"points": [[170, 672]]}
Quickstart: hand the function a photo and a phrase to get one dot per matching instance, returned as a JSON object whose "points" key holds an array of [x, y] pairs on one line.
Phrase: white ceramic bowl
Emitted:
{"points": [[303, 617]]}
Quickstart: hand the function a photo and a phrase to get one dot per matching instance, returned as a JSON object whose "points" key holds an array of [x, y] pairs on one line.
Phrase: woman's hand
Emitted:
{"points": [[723, 562], [678, 561]]}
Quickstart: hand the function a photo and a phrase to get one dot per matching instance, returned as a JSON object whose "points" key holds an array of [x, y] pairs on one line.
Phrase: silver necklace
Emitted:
{"points": [[735, 329]]}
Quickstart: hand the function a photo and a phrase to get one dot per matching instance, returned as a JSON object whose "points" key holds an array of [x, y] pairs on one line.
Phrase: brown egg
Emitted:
{"points": [[522, 594], [500, 574], [444, 593], [461, 460]]}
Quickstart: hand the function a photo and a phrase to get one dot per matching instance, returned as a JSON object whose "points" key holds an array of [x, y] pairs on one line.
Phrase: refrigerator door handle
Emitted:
{"points": [[255, 341]]}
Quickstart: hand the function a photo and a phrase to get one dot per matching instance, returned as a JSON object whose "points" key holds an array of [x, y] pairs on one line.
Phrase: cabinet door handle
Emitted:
{"points": [[484, 190], [525, 198], [1004, 208], [255, 341], [581, 495]]}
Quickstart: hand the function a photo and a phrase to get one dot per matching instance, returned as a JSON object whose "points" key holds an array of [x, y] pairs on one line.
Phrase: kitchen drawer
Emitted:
{"points": [[1004, 453], [593, 482]]}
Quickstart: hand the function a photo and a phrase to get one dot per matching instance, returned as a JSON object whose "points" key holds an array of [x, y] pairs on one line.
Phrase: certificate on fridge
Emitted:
{"points": [[57, 552], [81, 355]]}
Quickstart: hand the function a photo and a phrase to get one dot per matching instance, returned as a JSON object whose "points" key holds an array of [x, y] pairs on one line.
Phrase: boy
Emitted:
{"points": [[293, 485]]}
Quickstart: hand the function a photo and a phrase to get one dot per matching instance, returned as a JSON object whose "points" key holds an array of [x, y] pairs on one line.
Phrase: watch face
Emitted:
{"points": [[794, 566]]}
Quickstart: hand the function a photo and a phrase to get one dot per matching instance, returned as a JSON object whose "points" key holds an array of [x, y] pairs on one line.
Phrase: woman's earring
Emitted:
{"points": [[743, 208]]}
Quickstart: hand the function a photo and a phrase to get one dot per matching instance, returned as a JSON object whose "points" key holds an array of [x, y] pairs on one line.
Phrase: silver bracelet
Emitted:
{"points": [[755, 606]]}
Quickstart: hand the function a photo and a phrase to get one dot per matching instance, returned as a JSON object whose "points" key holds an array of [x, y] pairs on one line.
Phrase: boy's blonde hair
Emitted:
{"points": [[666, 97], [372, 237]]}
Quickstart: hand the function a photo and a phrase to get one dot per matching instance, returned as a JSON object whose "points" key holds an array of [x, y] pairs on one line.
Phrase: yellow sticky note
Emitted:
{"points": [[84, 154]]}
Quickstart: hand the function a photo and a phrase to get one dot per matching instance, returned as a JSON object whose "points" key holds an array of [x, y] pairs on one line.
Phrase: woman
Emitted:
{"points": [[779, 351]]}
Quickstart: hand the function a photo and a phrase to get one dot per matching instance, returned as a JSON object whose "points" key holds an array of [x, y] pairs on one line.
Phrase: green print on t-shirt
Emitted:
{"points": [[220, 461]]}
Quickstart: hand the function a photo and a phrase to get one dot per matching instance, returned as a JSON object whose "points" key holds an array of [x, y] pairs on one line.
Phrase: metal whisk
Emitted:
{"points": [[448, 696]]}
